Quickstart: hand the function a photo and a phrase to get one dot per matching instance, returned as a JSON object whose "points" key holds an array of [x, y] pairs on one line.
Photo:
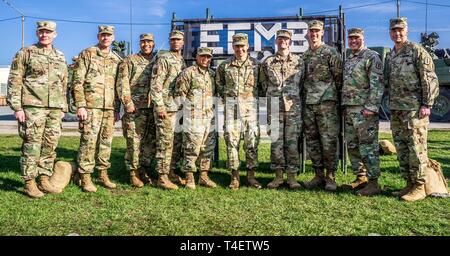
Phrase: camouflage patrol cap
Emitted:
{"points": [[204, 51], [240, 39], [46, 24], [359, 32], [284, 33], [146, 36], [315, 24], [176, 34], [105, 29], [398, 23]]}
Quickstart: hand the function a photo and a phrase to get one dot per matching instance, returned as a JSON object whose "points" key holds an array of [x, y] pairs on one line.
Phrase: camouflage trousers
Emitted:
{"points": [[139, 132], [321, 124], [361, 134], [284, 133], [168, 143], [95, 141], [410, 139], [245, 123], [198, 144], [40, 133]]}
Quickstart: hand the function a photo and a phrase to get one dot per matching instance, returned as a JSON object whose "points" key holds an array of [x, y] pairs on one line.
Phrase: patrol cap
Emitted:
{"points": [[240, 39], [315, 24], [398, 23], [46, 24], [359, 32], [284, 33], [146, 36], [205, 51], [105, 29], [176, 34]]}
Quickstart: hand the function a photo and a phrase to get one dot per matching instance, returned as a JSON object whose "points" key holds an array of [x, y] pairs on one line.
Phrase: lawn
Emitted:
{"points": [[219, 211]]}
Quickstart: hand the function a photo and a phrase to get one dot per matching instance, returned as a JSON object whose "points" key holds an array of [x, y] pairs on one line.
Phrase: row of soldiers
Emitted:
{"points": [[302, 94]]}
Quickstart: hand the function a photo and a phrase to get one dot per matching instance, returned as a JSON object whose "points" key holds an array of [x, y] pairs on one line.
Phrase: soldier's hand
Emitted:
{"points": [[116, 116], [424, 111], [367, 113], [131, 109], [20, 116], [82, 114], [162, 115]]}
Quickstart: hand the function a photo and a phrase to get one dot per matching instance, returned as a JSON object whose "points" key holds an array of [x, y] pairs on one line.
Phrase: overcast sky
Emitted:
{"points": [[73, 37]]}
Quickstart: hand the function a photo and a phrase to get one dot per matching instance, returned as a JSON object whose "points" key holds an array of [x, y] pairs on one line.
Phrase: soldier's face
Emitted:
{"points": [[315, 35], [45, 36], [146, 46], [355, 42], [399, 35], [176, 44], [203, 60], [283, 42], [240, 50], [105, 40]]}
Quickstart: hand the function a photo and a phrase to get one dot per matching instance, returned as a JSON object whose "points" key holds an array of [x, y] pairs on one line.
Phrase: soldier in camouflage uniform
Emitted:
{"points": [[195, 87], [281, 78], [138, 123], [37, 87], [361, 95], [70, 99], [237, 85], [413, 86], [321, 120], [168, 137], [97, 107]]}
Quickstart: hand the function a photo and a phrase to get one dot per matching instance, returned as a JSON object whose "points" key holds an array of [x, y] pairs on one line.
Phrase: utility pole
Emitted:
{"points": [[130, 49], [398, 8], [23, 20], [426, 17]]}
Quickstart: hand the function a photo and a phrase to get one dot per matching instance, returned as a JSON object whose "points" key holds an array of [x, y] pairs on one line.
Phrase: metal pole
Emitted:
{"points": [[23, 31], [174, 17], [342, 141], [131, 27], [426, 17], [398, 8]]}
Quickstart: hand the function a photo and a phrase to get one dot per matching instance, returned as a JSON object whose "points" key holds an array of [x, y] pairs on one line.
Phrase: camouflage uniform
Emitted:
{"points": [[196, 85], [412, 83], [281, 78], [362, 89], [237, 84], [37, 84], [94, 89], [168, 140], [321, 120], [133, 87]]}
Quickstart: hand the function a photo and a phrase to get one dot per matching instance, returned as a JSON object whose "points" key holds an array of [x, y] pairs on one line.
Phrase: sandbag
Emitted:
{"points": [[387, 148], [435, 182], [62, 173]]}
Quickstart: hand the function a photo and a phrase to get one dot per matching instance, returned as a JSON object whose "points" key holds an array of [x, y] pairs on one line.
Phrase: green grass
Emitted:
{"points": [[220, 211]]}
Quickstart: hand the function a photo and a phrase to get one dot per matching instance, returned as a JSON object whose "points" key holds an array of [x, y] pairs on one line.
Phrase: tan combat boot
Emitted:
{"points": [[86, 183], [32, 190], [416, 193], [45, 186], [205, 181], [251, 180], [292, 181], [234, 184], [330, 181], [359, 183], [190, 180], [104, 180], [372, 188], [174, 178], [134, 179], [317, 181], [278, 181], [405, 190], [164, 182]]}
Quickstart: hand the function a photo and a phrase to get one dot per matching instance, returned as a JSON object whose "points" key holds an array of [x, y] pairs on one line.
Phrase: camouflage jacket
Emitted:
{"points": [[164, 73], [363, 80], [283, 78], [38, 78], [323, 76], [133, 81], [234, 80], [196, 87], [94, 79], [410, 78]]}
